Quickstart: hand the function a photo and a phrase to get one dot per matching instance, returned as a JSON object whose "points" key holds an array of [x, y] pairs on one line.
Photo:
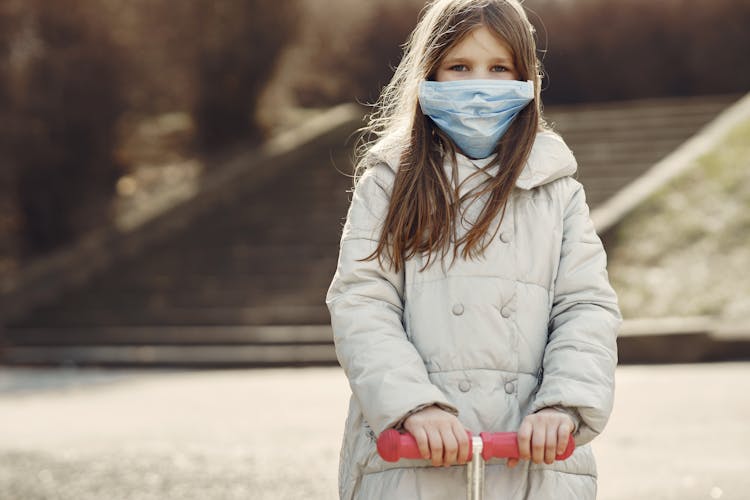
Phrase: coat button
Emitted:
{"points": [[505, 312], [509, 387], [505, 237], [458, 308], [464, 385]]}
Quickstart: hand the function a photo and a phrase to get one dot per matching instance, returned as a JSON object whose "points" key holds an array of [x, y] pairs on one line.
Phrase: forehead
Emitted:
{"points": [[480, 43]]}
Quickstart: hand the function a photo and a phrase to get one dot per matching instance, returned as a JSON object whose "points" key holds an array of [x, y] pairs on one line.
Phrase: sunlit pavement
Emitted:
{"points": [[677, 432]]}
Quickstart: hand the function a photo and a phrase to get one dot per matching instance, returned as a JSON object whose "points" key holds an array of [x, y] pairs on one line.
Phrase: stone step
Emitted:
{"points": [[245, 356], [615, 166], [171, 335], [630, 126], [670, 107], [634, 148], [247, 254], [207, 266], [647, 340], [265, 314], [596, 133], [603, 163], [596, 186], [193, 346], [135, 300], [165, 283]]}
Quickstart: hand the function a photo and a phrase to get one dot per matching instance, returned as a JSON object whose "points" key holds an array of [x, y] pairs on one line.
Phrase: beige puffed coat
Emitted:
{"points": [[531, 324]]}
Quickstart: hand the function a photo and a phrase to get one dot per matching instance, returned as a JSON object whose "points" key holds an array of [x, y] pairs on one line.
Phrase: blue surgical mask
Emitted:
{"points": [[475, 113]]}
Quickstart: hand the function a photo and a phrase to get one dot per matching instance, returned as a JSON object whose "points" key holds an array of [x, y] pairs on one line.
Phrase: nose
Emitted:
{"points": [[491, 75]]}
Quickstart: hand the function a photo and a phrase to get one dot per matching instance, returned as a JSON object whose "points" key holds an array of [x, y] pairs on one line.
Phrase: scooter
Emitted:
{"points": [[393, 446]]}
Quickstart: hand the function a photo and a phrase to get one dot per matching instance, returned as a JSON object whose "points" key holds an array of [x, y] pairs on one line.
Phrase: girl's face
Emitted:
{"points": [[481, 55]]}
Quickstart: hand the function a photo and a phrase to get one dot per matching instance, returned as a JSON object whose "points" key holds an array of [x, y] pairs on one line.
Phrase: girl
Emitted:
{"points": [[518, 331]]}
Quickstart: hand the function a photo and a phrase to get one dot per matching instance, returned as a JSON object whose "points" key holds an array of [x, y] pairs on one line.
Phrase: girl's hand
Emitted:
{"points": [[440, 436], [543, 435]]}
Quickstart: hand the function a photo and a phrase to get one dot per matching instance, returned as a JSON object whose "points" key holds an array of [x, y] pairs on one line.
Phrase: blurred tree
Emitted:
{"points": [[239, 42], [61, 65], [9, 246], [592, 50], [64, 99], [353, 62], [158, 37], [600, 50], [64, 108]]}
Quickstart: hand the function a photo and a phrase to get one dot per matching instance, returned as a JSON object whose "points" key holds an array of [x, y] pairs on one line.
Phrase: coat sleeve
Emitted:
{"points": [[366, 303], [578, 368]]}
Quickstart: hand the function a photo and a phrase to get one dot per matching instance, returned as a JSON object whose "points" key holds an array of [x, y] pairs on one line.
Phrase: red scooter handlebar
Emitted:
{"points": [[392, 445]]}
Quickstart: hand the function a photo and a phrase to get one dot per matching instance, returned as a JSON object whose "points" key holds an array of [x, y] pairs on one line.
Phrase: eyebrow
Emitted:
{"points": [[466, 59]]}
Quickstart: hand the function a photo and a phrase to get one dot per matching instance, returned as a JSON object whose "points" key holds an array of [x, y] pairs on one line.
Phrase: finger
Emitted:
{"points": [[450, 446], [436, 446], [421, 436], [524, 440], [550, 445], [462, 438], [538, 436], [563, 436], [512, 462]]}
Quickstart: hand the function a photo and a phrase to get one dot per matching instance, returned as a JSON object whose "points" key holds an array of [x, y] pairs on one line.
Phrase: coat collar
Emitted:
{"points": [[550, 159]]}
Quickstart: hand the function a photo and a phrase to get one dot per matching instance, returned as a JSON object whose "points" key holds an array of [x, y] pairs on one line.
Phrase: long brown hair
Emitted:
{"points": [[424, 205]]}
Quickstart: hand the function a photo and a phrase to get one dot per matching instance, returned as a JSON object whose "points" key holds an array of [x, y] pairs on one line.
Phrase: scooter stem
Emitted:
{"points": [[475, 471]]}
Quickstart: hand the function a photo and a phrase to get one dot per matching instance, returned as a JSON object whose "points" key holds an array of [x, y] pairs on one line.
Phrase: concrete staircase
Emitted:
{"points": [[243, 283], [615, 142], [206, 295]]}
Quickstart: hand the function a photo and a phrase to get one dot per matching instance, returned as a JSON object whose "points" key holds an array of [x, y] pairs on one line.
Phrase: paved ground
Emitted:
{"points": [[677, 432]]}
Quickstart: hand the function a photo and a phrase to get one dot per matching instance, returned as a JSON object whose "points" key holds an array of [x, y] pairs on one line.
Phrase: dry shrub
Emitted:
{"points": [[9, 218], [159, 39], [353, 63], [64, 99], [75, 75], [601, 50], [344, 52], [239, 42], [592, 50]]}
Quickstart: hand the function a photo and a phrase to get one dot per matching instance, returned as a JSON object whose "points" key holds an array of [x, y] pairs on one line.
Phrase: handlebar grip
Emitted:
{"points": [[392, 445], [505, 445]]}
